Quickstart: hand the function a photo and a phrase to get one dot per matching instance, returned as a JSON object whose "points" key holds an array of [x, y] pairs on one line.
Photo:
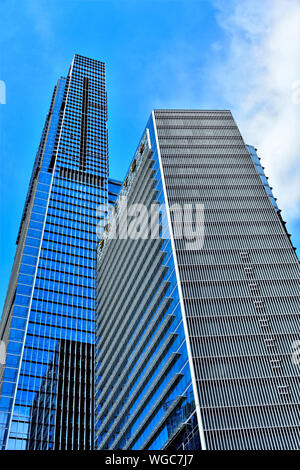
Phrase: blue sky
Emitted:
{"points": [[240, 55]]}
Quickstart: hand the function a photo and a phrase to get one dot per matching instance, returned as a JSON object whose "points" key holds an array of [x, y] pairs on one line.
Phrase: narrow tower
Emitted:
{"points": [[47, 324]]}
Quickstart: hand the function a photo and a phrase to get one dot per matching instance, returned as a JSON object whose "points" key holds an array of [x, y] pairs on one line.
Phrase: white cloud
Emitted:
{"points": [[259, 78], [40, 16]]}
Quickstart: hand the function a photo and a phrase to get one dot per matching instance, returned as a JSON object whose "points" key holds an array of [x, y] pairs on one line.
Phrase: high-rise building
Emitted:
{"points": [[47, 326], [196, 319]]}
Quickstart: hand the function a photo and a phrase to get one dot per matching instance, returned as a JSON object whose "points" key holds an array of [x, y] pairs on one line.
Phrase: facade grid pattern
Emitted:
{"points": [[48, 321]]}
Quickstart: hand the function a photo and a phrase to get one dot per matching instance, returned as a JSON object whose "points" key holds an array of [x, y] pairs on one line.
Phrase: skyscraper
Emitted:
{"points": [[48, 319], [195, 328]]}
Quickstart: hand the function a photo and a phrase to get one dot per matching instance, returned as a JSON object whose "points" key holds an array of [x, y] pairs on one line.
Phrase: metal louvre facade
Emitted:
{"points": [[241, 291], [144, 397], [48, 321], [194, 347]]}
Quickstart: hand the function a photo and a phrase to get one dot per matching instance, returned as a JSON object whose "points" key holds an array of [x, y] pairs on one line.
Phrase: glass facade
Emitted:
{"points": [[193, 346], [114, 188], [48, 320]]}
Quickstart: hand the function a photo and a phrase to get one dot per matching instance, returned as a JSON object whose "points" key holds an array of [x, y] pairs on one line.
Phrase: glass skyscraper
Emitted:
{"points": [[46, 388], [194, 343]]}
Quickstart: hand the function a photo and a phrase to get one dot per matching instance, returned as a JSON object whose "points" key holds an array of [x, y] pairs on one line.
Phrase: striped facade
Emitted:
{"points": [[194, 347], [46, 387]]}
